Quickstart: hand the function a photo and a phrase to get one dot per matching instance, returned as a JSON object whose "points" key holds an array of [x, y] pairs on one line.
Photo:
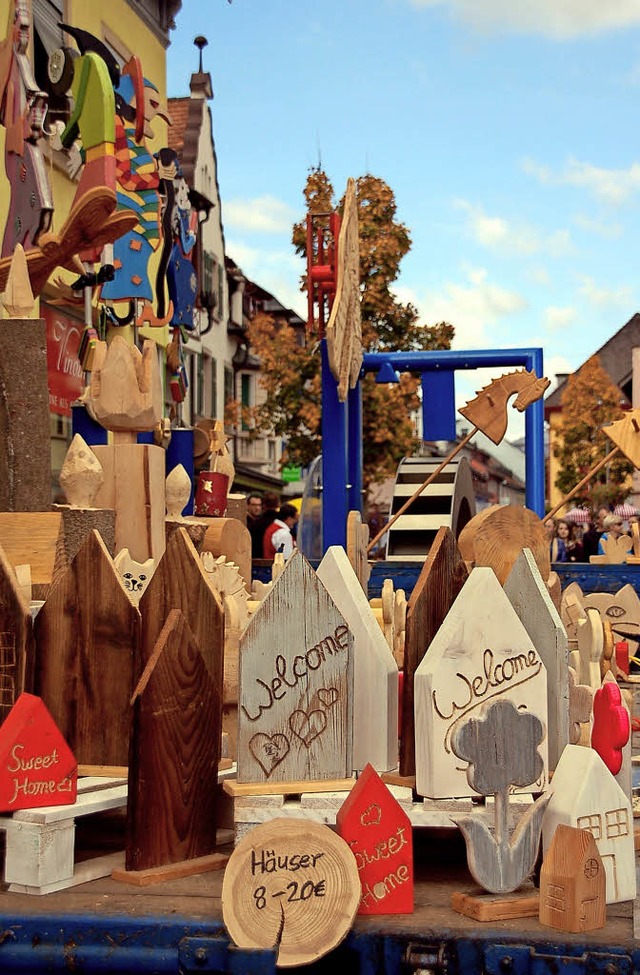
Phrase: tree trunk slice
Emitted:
{"points": [[306, 905]]}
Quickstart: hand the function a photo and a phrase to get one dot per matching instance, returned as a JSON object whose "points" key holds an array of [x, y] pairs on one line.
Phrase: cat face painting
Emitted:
{"points": [[135, 575]]}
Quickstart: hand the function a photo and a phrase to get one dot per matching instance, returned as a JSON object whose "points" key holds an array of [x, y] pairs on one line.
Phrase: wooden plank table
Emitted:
{"points": [[440, 870]]}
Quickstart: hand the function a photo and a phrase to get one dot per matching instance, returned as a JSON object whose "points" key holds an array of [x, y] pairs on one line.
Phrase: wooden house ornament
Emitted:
{"points": [[585, 795], [441, 578], [481, 653], [375, 676], [87, 634], [37, 767], [173, 767], [572, 882], [296, 684], [379, 834], [530, 598]]}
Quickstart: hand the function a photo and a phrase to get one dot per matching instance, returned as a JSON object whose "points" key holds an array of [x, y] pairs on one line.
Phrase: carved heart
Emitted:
{"points": [[328, 696], [306, 727], [372, 815], [269, 751]]}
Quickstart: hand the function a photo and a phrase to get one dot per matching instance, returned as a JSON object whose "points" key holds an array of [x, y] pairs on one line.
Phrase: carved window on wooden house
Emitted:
{"points": [[617, 822], [555, 897], [592, 823]]}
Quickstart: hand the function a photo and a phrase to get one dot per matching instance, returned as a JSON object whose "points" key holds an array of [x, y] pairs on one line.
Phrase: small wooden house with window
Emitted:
{"points": [[586, 796], [572, 882]]}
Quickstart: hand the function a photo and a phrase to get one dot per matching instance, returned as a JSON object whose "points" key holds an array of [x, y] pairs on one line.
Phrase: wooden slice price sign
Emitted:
{"points": [[292, 884]]}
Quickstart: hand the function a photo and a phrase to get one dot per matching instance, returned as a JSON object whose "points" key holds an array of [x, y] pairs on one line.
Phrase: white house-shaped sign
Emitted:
{"points": [[375, 680], [481, 653], [586, 795], [295, 684]]}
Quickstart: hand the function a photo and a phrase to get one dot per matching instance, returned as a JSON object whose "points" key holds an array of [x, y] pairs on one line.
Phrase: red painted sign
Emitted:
{"points": [[37, 767], [379, 835], [65, 376]]}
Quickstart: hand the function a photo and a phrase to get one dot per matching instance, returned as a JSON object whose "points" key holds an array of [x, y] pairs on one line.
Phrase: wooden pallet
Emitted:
{"points": [[322, 807], [40, 842]]}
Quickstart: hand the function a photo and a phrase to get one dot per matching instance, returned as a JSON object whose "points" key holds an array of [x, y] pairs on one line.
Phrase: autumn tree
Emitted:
{"points": [[291, 374], [589, 400]]}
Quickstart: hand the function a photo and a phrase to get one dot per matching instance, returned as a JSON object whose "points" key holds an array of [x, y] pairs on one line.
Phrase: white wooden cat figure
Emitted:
{"points": [[135, 576]]}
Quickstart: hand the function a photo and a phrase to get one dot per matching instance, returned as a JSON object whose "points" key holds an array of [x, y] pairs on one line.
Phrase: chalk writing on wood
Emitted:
{"points": [[292, 884]]}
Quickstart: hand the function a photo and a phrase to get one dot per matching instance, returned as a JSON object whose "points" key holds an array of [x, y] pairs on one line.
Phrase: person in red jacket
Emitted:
{"points": [[278, 537]]}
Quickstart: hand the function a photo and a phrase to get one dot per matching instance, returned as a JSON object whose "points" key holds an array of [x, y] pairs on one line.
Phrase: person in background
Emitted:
{"points": [[591, 537], [278, 537], [612, 525], [558, 549], [254, 514], [270, 506]]}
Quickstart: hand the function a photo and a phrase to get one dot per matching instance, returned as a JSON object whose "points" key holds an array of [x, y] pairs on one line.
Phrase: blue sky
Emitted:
{"points": [[508, 130]]}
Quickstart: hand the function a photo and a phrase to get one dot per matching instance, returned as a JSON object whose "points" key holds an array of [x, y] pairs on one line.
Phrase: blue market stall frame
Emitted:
{"points": [[342, 423]]}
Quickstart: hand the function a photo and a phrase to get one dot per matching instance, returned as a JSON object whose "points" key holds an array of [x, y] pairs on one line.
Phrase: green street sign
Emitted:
{"points": [[291, 473]]}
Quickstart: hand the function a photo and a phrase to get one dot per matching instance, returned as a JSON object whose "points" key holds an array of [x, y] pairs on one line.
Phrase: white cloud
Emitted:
{"points": [[263, 214], [557, 318], [558, 19], [472, 307], [277, 271], [612, 186], [605, 297], [610, 231], [556, 365], [500, 234]]}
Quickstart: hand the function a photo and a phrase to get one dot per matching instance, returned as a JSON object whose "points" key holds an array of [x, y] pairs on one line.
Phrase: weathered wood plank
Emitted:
{"points": [[442, 577], [86, 634]]}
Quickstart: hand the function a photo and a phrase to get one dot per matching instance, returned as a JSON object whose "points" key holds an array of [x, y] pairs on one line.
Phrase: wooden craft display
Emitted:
{"points": [[37, 767], [589, 636], [442, 577], [573, 883], [580, 707], [290, 885], [379, 834], [125, 391], [611, 725], [180, 582], [81, 474], [344, 328], [481, 653], [496, 536], [88, 631], [357, 538], [134, 478], [135, 576], [173, 768], [621, 609], [501, 745], [17, 647], [36, 538], [229, 537], [375, 675], [296, 684], [530, 598], [585, 795]]}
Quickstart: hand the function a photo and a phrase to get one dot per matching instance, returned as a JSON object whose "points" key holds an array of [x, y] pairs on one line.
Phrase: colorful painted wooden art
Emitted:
{"points": [[37, 767], [379, 834]]}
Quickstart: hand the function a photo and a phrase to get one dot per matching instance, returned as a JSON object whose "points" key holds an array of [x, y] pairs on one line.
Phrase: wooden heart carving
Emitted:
{"points": [[307, 727], [328, 696], [269, 750]]}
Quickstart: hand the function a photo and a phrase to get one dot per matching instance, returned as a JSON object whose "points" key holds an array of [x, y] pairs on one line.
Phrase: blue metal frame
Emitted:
{"points": [[342, 424]]}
